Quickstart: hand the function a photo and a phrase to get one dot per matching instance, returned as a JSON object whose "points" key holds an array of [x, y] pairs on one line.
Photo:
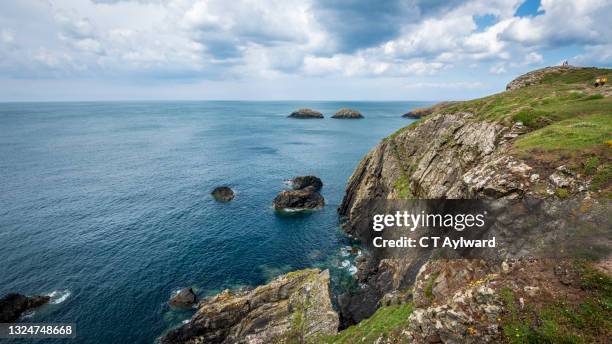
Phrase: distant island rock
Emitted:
{"points": [[223, 194], [303, 182], [185, 298], [306, 113], [347, 114], [13, 305]]}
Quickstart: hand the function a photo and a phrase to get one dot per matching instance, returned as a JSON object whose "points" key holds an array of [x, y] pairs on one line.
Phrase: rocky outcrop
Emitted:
{"points": [[446, 156], [422, 112], [418, 113], [303, 182], [306, 113], [534, 77], [294, 308], [347, 114], [184, 298], [13, 305], [307, 198], [223, 194]]}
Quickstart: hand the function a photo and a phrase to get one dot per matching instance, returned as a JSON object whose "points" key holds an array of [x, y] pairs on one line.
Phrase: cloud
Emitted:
{"points": [[249, 39]]}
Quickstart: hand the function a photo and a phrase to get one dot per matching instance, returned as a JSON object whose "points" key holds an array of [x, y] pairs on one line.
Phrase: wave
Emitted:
{"points": [[58, 296]]}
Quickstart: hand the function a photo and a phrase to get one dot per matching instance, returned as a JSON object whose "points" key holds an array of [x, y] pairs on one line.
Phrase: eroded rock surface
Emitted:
{"points": [[294, 308]]}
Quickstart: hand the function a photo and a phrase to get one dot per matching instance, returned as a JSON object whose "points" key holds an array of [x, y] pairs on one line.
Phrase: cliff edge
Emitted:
{"points": [[547, 139]]}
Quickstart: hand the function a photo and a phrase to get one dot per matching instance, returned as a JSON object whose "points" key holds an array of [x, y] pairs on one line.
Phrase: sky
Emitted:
{"points": [[289, 49]]}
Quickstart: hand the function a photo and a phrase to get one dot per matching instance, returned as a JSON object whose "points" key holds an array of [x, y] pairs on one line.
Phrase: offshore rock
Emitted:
{"points": [[223, 194], [13, 305], [302, 182], [347, 114], [185, 298], [306, 113], [307, 198], [294, 308]]}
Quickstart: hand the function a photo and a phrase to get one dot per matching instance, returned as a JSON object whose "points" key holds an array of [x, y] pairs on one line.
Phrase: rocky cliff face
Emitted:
{"points": [[466, 151], [294, 308]]}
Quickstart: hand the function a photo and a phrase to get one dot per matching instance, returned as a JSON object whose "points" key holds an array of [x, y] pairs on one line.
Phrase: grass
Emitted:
{"points": [[402, 186], [570, 134], [387, 322], [588, 321], [428, 291]]}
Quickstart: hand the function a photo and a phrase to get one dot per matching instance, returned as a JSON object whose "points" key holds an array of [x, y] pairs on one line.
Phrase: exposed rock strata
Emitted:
{"points": [[447, 156], [306, 113], [13, 305], [347, 114], [294, 308]]}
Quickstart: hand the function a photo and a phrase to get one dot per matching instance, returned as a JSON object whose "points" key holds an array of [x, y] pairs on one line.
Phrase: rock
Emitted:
{"points": [[13, 305], [347, 114], [185, 298], [306, 113], [422, 112], [534, 77], [418, 113], [223, 194], [531, 291], [302, 182], [307, 198], [561, 180], [295, 307]]}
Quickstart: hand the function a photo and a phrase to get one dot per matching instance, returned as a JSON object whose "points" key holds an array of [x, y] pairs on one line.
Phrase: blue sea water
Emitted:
{"points": [[106, 205]]}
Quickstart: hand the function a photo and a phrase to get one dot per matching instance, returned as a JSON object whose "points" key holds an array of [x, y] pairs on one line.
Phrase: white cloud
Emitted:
{"points": [[259, 40]]}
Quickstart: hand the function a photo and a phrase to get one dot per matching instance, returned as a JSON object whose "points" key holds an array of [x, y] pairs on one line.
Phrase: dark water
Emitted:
{"points": [[107, 205]]}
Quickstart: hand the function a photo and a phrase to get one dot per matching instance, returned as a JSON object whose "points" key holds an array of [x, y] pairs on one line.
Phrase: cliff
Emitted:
{"points": [[546, 140]]}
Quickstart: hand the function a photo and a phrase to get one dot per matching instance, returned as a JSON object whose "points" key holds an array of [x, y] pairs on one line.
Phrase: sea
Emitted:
{"points": [[106, 206]]}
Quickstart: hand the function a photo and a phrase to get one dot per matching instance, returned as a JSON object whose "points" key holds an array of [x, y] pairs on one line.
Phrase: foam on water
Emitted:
{"points": [[58, 296]]}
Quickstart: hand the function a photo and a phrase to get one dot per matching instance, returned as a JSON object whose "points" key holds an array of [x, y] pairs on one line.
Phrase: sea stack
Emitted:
{"points": [[223, 194], [305, 113], [304, 196], [347, 114]]}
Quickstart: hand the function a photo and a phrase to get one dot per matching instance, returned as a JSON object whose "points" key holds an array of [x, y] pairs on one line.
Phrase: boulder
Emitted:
{"points": [[306, 113], [294, 308], [347, 114], [223, 194], [307, 198], [184, 298], [13, 305], [303, 182]]}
